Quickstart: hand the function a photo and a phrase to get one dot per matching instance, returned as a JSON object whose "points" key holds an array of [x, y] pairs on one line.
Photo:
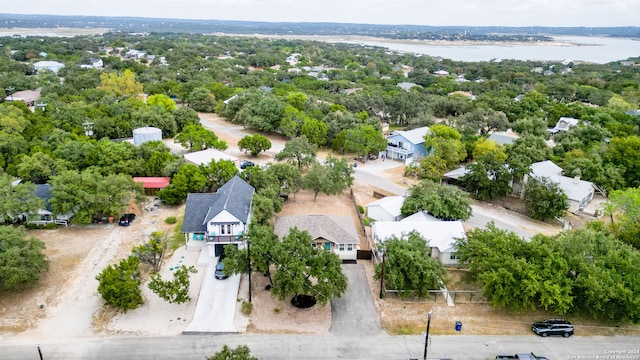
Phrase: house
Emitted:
{"points": [[633, 112], [152, 185], [503, 137], [221, 218], [407, 85], [29, 97], [386, 209], [46, 215], [466, 94], [441, 73], [441, 235], [407, 146], [334, 233], [204, 157], [420, 216], [564, 124], [52, 66], [579, 192]]}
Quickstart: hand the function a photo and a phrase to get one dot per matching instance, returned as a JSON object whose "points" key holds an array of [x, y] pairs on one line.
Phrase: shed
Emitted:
{"points": [[151, 185]]}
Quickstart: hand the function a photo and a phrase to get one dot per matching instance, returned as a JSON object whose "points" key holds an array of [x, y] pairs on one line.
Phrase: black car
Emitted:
{"points": [[219, 273], [549, 327], [246, 164], [126, 219]]}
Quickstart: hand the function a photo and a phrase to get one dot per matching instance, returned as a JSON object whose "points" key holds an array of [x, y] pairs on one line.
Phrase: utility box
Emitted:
{"points": [[458, 325]]}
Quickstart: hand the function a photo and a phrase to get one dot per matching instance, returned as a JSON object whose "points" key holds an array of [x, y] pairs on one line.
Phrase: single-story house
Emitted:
{"points": [[46, 215], [152, 185], [204, 157], [337, 234], [564, 124], [441, 235], [407, 146], [407, 85], [29, 97], [53, 66], [420, 216], [386, 209], [579, 192], [221, 218]]}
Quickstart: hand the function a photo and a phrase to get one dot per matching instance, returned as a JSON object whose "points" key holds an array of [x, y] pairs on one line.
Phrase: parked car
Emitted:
{"points": [[126, 219], [219, 273], [245, 164], [530, 356], [548, 327]]}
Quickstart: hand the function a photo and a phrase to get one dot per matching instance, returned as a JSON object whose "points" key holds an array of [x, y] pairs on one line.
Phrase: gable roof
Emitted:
{"points": [[420, 216], [336, 229], [574, 188], [234, 196], [415, 136], [441, 234], [503, 137], [43, 191], [391, 204], [153, 182]]}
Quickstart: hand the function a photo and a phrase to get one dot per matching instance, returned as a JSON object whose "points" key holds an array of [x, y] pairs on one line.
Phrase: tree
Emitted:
{"points": [[442, 201], [120, 284], [17, 199], [121, 85], [298, 151], [330, 178], [38, 168], [153, 251], [242, 352], [364, 141], [264, 245], [163, 101], [289, 177], [486, 180], [185, 116], [201, 99], [314, 130], [21, 260], [544, 199], [444, 142], [175, 291], [409, 267], [624, 153], [302, 269], [255, 144], [196, 138], [219, 172], [189, 178]]}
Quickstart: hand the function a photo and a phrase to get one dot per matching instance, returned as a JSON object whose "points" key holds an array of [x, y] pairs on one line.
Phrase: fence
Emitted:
{"points": [[436, 296]]}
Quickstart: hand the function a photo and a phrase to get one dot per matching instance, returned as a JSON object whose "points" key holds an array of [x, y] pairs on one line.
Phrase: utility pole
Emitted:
{"points": [[384, 254], [249, 262], [39, 351], [426, 337]]}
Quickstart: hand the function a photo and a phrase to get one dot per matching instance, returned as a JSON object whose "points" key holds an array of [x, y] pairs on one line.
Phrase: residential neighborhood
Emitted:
{"points": [[168, 185]]}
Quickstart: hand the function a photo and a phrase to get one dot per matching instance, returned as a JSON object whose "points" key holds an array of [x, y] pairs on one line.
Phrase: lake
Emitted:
{"points": [[599, 50]]}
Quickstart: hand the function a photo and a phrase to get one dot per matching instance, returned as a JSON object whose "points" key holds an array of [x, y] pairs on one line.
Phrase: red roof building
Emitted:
{"points": [[151, 185]]}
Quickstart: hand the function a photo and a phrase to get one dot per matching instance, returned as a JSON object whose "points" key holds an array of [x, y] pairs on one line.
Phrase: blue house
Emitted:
{"points": [[407, 146]]}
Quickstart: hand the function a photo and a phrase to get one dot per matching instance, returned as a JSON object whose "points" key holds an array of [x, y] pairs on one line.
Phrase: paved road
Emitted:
{"points": [[354, 313], [277, 347]]}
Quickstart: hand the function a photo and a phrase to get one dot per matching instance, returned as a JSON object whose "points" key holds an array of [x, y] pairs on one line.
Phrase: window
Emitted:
{"points": [[349, 247], [228, 228], [341, 247], [453, 256]]}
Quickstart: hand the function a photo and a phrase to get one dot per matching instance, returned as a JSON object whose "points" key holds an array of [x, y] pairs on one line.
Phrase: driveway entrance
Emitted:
{"points": [[355, 313]]}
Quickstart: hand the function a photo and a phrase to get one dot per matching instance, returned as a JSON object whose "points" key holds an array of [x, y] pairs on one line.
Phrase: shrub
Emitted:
{"points": [[276, 310], [246, 308], [171, 220], [360, 209], [51, 226]]}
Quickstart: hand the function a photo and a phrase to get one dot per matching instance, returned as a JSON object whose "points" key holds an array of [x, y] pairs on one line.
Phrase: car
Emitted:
{"points": [[126, 219], [219, 273], [246, 164], [549, 327]]}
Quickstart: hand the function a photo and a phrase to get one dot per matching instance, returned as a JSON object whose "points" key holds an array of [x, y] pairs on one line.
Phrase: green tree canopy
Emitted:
{"points": [[442, 201], [298, 151], [22, 261], [196, 138], [119, 285], [255, 144], [544, 199]]}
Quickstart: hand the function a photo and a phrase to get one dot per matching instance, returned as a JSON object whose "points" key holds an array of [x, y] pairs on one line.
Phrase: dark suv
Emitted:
{"points": [[552, 327], [126, 219]]}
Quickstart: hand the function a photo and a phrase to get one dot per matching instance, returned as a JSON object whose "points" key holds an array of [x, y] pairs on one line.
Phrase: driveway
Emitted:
{"points": [[354, 313]]}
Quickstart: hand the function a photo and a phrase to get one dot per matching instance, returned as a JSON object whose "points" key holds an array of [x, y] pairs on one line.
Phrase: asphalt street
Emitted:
{"points": [[266, 347]]}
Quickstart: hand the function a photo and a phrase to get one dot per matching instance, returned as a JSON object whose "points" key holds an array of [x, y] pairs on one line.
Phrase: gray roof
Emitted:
{"points": [[336, 229], [234, 196], [503, 138], [415, 136], [43, 191]]}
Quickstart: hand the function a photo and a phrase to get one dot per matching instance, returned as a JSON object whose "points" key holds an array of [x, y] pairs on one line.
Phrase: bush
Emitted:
{"points": [[51, 226], [360, 209], [171, 220], [246, 308]]}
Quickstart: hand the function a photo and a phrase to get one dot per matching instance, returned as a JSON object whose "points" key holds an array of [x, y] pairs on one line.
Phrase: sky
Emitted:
{"points": [[590, 13]]}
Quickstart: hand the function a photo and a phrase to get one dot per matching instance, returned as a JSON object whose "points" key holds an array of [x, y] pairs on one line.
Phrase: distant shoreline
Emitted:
{"points": [[70, 32], [363, 39]]}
